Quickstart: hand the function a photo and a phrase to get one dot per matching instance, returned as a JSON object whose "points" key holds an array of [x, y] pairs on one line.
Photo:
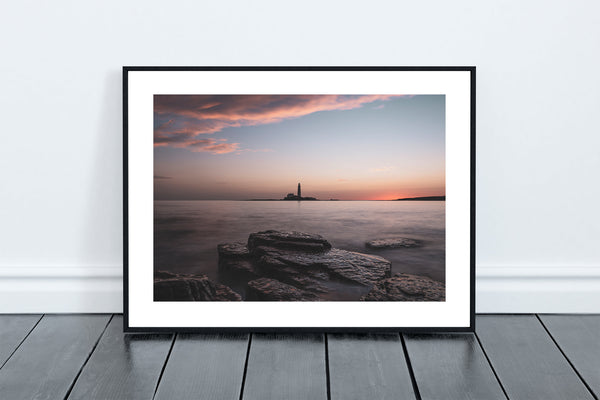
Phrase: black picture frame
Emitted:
{"points": [[128, 328]]}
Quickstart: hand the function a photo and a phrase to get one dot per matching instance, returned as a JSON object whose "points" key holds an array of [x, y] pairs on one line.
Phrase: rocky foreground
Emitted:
{"points": [[295, 266], [405, 287], [173, 287]]}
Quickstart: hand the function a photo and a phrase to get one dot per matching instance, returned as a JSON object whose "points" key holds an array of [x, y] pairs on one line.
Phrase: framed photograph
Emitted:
{"points": [[299, 198]]}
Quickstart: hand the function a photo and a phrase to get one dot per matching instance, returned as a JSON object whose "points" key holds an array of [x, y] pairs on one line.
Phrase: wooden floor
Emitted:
{"points": [[511, 356]]}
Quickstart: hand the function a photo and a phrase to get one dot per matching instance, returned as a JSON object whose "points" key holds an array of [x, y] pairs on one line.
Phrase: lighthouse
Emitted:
{"points": [[298, 196]]}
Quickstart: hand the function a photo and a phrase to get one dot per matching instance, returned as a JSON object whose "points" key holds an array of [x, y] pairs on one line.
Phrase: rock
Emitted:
{"points": [[273, 290], [233, 250], [239, 269], [192, 288], [164, 275], [341, 265], [235, 259], [299, 260], [393, 243], [405, 287], [288, 241]]}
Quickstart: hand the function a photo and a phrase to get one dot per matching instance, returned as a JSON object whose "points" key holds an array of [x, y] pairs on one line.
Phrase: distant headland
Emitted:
{"points": [[427, 198]]}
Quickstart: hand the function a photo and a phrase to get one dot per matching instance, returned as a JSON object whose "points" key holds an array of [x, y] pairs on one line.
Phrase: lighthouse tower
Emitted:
{"points": [[299, 191]]}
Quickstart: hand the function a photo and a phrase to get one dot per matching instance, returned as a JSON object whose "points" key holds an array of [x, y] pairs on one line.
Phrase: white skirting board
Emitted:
{"points": [[500, 289], [538, 289], [50, 289]]}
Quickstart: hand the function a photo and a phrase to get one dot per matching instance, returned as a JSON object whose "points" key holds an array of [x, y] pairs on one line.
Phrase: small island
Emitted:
{"points": [[292, 196]]}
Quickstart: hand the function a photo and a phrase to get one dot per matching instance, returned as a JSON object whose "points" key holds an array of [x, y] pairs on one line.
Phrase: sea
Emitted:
{"points": [[186, 233]]}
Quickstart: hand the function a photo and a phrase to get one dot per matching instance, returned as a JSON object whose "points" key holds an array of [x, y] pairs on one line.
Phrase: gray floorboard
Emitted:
{"points": [[451, 366], [368, 366], [13, 329], [123, 366], [286, 366], [526, 360], [578, 336], [47, 363], [205, 366], [86, 357]]}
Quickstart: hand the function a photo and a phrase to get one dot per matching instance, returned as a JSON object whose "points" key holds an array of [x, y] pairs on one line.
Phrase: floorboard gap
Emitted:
{"points": [[246, 365], [566, 358], [87, 359], [162, 371], [410, 369], [327, 375], [21, 342], [491, 366]]}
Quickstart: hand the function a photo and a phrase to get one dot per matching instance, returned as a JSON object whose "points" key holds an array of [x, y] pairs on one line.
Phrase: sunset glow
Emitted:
{"points": [[346, 147]]}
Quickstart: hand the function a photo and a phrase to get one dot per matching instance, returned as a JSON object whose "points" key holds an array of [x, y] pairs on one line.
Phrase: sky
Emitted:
{"points": [[346, 147]]}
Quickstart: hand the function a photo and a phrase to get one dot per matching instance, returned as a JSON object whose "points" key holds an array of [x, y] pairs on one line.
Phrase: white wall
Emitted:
{"points": [[538, 147]]}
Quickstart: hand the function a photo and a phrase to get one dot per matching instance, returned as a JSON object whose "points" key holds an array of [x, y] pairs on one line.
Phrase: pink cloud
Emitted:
{"points": [[221, 148], [214, 146], [194, 115]]}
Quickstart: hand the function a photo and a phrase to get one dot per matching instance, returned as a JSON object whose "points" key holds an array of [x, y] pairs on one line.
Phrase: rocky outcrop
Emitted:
{"points": [[393, 243], [296, 241], [405, 287], [295, 266], [335, 264], [173, 287], [273, 290], [300, 260]]}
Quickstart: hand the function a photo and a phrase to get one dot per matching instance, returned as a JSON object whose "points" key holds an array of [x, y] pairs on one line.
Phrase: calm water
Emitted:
{"points": [[186, 233]]}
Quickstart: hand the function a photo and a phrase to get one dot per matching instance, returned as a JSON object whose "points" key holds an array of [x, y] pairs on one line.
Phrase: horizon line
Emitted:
{"points": [[407, 198]]}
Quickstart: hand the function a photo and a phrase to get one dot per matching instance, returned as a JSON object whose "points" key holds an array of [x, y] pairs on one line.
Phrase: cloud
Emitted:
{"points": [[180, 119], [214, 146], [224, 110]]}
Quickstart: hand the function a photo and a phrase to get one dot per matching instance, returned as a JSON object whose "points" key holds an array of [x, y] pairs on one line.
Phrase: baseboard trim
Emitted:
{"points": [[538, 289], [499, 289], [61, 289]]}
